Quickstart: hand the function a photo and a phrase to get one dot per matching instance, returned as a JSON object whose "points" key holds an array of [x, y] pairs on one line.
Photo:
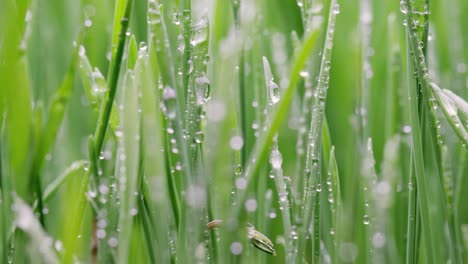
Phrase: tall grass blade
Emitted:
{"points": [[313, 167], [157, 187], [129, 167], [333, 187], [276, 161]]}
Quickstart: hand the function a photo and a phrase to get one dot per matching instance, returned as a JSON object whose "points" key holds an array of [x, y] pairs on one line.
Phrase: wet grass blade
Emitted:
{"points": [[129, 168], [451, 104], [95, 87], [313, 158], [333, 187], [276, 161], [279, 116], [416, 36], [114, 74], [418, 164], [95, 143], [155, 185]]}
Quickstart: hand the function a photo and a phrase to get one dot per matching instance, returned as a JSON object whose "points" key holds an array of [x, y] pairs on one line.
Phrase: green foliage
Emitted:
{"points": [[308, 131]]}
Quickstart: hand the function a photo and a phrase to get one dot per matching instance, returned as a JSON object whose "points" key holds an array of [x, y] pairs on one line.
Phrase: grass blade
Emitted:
{"points": [[450, 108], [276, 161], [113, 78], [129, 168], [279, 117], [157, 189], [314, 148]]}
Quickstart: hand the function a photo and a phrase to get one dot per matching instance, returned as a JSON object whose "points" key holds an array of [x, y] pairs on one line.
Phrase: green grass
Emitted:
{"points": [[322, 131]]}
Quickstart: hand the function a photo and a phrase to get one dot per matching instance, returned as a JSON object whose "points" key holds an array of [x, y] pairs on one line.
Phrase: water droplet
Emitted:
{"points": [[202, 89], [272, 214], [378, 240], [336, 9], [283, 197], [102, 223], [103, 189], [251, 205], [272, 87], [169, 104], [366, 219], [133, 211], [276, 159], [142, 46], [200, 32], [176, 18], [236, 248], [304, 74], [88, 23], [382, 188], [190, 64], [112, 242], [236, 142], [82, 51], [92, 194], [406, 129], [58, 245], [294, 234], [241, 183], [238, 169], [403, 7], [255, 125], [274, 92], [206, 59], [100, 233], [99, 84], [319, 187], [198, 137], [45, 210]]}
